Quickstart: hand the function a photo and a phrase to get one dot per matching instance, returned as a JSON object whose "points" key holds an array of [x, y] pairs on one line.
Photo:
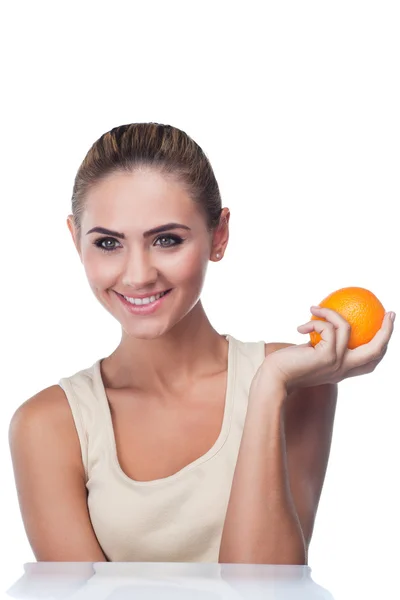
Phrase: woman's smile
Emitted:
{"points": [[143, 306]]}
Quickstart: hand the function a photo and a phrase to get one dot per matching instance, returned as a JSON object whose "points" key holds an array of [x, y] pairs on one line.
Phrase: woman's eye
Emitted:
{"points": [[100, 243], [176, 240]]}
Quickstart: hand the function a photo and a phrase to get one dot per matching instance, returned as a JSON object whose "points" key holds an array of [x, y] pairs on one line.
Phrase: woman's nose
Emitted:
{"points": [[140, 270]]}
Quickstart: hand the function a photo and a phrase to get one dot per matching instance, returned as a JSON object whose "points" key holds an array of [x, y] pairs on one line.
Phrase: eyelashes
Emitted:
{"points": [[175, 238]]}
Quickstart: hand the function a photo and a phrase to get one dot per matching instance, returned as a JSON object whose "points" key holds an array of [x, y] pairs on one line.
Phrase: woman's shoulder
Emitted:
{"points": [[45, 420], [47, 410], [49, 403]]}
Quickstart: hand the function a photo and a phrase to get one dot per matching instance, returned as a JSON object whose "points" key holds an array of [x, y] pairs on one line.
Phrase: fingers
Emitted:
{"points": [[328, 337], [375, 350], [335, 333], [334, 330], [342, 327]]}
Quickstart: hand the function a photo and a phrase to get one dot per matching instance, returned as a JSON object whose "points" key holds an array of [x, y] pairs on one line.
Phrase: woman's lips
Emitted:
{"points": [[143, 309]]}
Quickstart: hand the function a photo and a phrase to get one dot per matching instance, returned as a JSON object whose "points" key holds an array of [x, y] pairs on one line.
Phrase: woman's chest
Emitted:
{"points": [[156, 439]]}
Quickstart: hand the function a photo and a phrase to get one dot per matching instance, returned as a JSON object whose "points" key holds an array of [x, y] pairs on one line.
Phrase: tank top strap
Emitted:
{"points": [[80, 392], [249, 356]]}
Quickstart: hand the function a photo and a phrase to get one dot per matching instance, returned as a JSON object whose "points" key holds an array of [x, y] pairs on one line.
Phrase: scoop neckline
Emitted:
{"points": [[220, 441]]}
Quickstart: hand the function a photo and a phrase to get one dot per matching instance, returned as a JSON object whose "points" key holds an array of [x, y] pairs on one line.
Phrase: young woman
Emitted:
{"points": [[183, 444]]}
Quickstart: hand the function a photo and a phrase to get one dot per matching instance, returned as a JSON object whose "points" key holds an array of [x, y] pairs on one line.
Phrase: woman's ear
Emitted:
{"points": [[221, 236], [74, 234]]}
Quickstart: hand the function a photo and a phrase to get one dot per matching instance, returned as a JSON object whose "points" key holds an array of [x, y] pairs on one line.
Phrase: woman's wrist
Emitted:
{"points": [[269, 389]]}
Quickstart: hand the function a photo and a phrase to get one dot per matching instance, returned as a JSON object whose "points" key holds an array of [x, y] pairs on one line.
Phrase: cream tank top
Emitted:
{"points": [[179, 518]]}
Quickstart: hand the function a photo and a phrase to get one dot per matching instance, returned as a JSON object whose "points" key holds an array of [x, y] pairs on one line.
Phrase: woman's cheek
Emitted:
{"points": [[188, 266], [99, 272]]}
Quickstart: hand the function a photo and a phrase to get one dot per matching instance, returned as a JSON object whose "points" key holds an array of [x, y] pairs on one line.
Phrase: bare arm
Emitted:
{"points": [[279, 475], [261, 524], [309, 418], [49, 477]]}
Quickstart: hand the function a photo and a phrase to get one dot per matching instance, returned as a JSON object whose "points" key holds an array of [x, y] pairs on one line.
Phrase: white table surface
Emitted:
{"points": [[195, 581]]}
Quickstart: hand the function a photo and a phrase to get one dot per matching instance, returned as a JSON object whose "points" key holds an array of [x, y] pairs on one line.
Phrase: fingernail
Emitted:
{"points": [[393, 316]]}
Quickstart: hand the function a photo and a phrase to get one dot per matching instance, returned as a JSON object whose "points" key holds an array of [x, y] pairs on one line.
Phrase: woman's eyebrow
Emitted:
{"points": [[159, 229]]}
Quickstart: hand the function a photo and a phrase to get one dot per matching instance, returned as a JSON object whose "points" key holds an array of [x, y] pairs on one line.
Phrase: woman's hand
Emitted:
{"points": [[330, 361]]}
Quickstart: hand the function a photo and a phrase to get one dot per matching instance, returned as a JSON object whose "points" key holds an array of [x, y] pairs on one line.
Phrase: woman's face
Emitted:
{"points": [[138, 262]]}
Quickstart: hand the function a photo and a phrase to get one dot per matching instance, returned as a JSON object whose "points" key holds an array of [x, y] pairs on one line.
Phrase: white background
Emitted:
{"points": [[297, 106]]}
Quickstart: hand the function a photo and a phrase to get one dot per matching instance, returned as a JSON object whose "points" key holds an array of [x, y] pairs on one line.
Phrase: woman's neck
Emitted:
{"points": [[193, 349]]}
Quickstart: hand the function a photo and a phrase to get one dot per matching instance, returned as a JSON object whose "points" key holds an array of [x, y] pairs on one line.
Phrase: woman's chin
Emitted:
{"points": [[144, 331]]}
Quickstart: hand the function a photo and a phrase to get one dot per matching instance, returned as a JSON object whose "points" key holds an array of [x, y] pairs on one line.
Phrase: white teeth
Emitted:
{"points": [[141, 301]]}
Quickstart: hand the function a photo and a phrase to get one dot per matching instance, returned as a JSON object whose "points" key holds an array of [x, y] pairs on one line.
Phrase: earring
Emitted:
{"points": [[217, 255]]}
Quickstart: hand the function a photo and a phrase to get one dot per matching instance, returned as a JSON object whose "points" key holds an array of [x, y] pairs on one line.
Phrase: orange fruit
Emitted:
{"points": [[360, 307]]}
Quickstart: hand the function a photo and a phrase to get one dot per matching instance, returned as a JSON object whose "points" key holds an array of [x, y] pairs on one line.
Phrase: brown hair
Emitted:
{"points": [[163, 147]]}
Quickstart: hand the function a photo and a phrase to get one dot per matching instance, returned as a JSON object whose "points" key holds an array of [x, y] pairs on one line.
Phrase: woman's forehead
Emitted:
{"points": [[142, 201]]}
